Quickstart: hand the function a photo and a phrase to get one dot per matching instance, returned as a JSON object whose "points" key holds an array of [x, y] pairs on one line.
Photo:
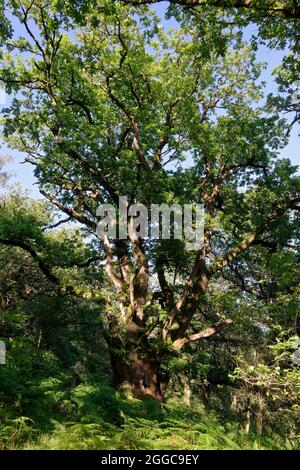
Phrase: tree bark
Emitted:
{"points": [[139, 374], [248, 421]]}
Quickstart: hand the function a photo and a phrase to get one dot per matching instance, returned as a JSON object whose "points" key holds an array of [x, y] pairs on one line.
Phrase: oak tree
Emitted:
{"points": [[106, 103]]}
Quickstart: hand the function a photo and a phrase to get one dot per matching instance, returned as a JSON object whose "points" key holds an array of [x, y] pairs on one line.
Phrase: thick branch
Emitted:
{"points": [[57, 224], [167, 291], [116, 280], [251, 237], [42, 264], [139, 281], [225, 260], [71, 212], [81, 264], [135, 127], [90, 169], [180, 343], [187, 303]]}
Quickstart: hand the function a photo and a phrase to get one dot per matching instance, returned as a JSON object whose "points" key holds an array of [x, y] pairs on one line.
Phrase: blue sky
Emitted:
{"points": [[23, 173]]}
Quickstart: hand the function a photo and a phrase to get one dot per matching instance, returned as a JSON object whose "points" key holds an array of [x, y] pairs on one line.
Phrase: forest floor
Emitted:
{"points": [[97, 418]]}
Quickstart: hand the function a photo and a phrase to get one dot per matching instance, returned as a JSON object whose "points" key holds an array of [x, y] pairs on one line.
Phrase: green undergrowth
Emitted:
{"points": [[97, 417]]}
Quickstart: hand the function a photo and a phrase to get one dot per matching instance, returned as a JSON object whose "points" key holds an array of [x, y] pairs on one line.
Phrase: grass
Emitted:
{"points": [[101, 419]]}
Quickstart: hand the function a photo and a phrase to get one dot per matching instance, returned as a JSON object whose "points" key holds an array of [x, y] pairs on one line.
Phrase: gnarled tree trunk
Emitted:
{"points": [[139, 374]]}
